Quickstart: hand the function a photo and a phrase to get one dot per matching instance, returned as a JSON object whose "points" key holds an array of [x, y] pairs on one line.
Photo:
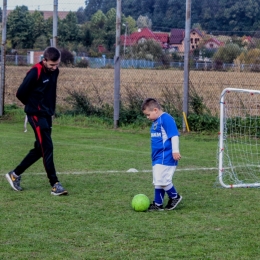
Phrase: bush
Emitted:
{"points": [[203, 123], [199, 118], [81, 103], [67, 57], [83, 63]]}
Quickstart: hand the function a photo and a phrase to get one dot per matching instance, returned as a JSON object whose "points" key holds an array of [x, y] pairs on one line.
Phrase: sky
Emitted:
{"points": [[45, 5]]}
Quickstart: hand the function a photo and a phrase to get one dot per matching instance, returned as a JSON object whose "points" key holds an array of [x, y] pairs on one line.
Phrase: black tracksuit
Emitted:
{"points": [[38, 93]]}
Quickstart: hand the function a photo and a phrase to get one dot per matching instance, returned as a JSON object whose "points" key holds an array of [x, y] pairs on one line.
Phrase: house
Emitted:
{"points": [[213, 43], [34, 56], [144, 34], [176, 40], [247, 40], [101, 49], [47, 14]]}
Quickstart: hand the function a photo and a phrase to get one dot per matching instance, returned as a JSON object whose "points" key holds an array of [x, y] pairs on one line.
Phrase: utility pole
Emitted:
{"points": [[125, 24], [186, 64], [55, 23], [2, 85], [117, 66]]}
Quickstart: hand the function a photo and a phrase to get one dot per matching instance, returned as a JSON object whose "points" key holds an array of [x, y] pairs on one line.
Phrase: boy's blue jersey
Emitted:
{"points": [[162, 130]]}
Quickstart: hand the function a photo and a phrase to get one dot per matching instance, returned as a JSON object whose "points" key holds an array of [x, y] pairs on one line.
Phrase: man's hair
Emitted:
{"points": [[51, 53], [150, 103]]}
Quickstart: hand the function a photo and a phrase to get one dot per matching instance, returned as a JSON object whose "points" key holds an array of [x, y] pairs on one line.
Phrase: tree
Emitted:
{"points": [[110, 29], [250, 57], [175, 15], [68, 30], [143, 22], [81, 16], [41, 42], [86, 35], [131, 24], [20, 26], [228, 53], [49, 27], [149, 50], [160, 9], [131, 7], [92, 6], [39, 25], [97, 27]]}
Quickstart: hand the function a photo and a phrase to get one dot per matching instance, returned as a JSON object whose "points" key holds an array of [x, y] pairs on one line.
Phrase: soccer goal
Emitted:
{"points": [[239, 138]]}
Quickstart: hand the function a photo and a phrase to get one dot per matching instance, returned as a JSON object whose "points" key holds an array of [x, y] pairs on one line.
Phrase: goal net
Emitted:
{"points": [[239, 138]]}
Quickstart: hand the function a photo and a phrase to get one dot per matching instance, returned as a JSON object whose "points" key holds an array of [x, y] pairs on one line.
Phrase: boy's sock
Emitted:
{"points": [[171, 192], [158, 196]]}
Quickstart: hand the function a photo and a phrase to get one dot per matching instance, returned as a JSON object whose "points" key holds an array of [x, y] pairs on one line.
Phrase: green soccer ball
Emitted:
{"points": [[140, 202]]}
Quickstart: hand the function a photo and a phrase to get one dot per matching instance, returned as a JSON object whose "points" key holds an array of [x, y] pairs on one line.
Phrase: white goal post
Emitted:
{"points": [[239, 138]]}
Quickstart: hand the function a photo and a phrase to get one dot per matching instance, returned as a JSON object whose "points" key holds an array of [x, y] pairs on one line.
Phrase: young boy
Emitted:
{"points": [[165, 154], [38, 93]]}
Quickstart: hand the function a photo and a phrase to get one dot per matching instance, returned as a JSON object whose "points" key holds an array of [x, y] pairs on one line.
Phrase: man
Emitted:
{"points": [[38, 93]]}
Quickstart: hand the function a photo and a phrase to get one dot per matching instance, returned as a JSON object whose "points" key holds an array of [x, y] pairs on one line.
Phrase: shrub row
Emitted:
{"points": [[199, 117]]}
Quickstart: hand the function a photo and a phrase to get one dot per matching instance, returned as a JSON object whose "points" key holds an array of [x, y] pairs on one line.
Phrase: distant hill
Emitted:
{"points": [[237, 16]]}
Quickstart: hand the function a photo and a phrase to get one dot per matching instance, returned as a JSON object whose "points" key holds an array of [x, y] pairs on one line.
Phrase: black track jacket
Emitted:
{"points": [[38, 91]]}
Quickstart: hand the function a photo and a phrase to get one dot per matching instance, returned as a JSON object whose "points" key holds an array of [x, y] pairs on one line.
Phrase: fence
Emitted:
{"points": [[141, 64], [217, 61], [144, 82]]}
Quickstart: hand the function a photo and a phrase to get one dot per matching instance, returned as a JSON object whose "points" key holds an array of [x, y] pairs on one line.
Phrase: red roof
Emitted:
{"points": [[163, 37], [219, 43], [247, 39], [101, 48], [177, 35], [146, 33]]}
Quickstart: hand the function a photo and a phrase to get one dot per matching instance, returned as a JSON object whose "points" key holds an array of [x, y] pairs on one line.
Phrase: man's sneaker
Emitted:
{"points": [[14, 181], [57, 189], [172, 203], [154, 207]]}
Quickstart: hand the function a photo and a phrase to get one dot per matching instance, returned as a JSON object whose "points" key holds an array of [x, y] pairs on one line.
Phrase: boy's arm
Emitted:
{"points": [[175, 148], [28, 82]]}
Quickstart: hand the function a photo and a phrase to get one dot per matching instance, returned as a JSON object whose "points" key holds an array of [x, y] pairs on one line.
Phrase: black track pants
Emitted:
{"points": [[43, 147]]}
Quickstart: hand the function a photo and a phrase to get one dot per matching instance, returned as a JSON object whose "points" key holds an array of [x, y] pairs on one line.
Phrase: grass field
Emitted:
{"points": [[96, 221]]}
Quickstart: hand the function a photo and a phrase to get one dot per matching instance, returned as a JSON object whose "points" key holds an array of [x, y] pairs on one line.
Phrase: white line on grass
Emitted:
{"points": [[122, 171]]}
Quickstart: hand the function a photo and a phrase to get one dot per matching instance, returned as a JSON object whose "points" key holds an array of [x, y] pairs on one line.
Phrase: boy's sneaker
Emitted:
{"points": [[14, 181], [172, 203], [57, 190], [154, 207]]}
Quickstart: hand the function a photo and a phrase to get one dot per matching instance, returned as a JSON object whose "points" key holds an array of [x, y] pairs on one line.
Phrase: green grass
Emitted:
{"points": [[96, 221]]}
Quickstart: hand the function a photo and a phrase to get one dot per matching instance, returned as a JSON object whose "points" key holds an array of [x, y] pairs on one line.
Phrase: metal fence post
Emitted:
{"points": [[2, 86], [117, 66], [186, 63], [55, 23]]}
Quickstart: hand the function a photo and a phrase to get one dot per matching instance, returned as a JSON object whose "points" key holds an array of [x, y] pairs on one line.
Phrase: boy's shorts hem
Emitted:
{"points": [[162, 174]]}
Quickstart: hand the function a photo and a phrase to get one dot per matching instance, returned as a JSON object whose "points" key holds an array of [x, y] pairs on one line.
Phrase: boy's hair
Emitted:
{"points": [[51, 53], [150, 103]]}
